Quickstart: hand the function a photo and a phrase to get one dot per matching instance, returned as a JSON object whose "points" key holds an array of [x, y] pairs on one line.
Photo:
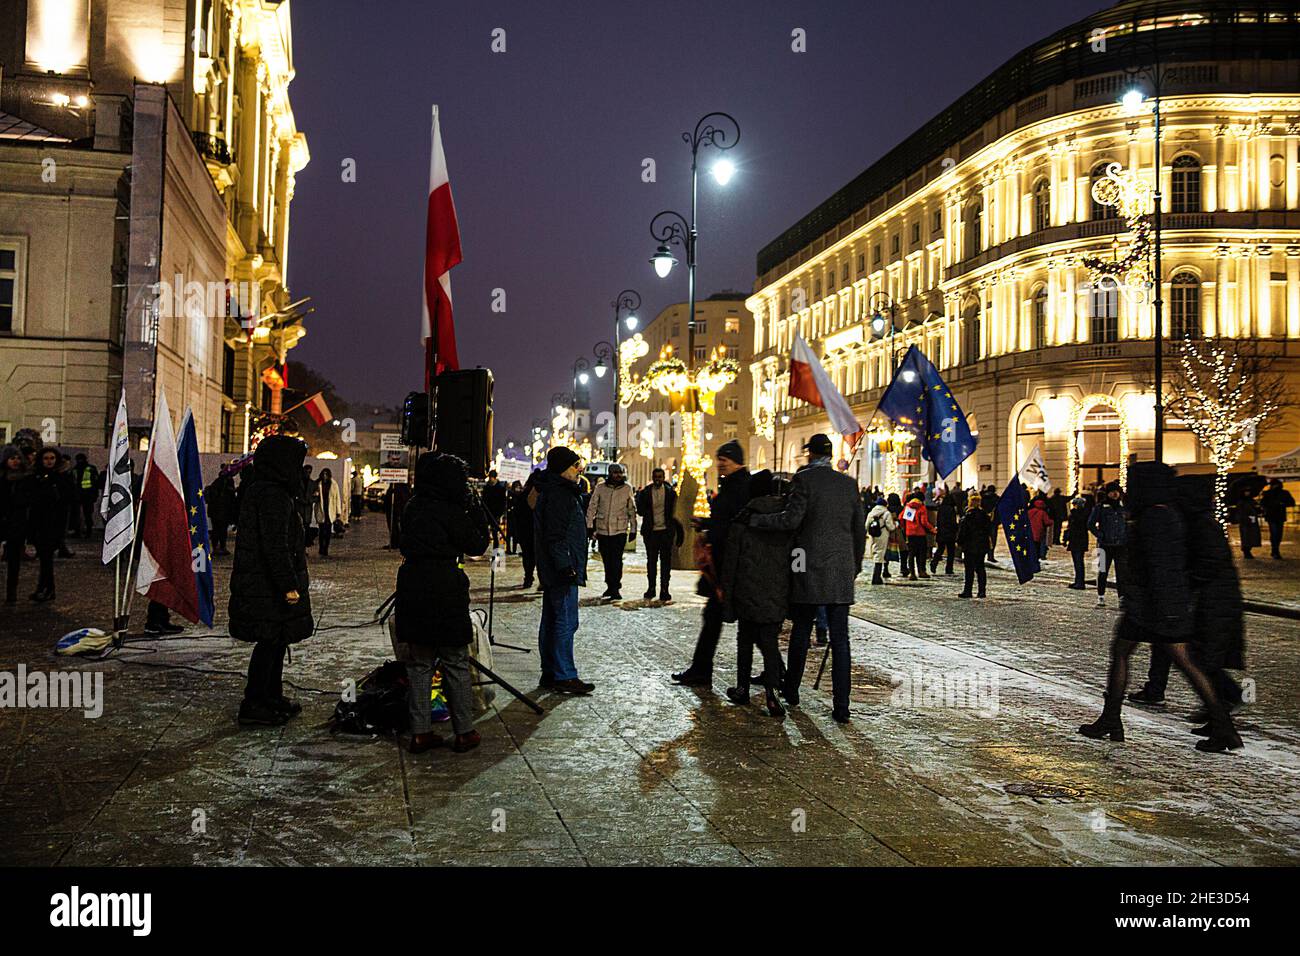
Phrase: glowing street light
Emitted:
{"points": [[723, 170]]}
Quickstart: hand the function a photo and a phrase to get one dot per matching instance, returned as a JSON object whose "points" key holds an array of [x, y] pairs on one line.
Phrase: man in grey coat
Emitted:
{"points": [[825, 512]]}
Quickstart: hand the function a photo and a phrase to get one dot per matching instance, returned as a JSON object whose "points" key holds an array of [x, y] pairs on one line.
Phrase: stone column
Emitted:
{"points": [[1069, 303], [1291, 151], [1263, 137], [1263, 264], [1293, 290], [1054, 184], [1215, 180], [1223, 312], [1069, 212], [1245, 325]]}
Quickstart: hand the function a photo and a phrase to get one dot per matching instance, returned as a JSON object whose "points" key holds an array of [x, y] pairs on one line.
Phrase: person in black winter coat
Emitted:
{"points": [[732, 496], [1248, 515], [560, 536], [521, 526], [973, 534], [754, 578], [1076, 540], [219, 497], [1274, 502], [990, 501], [13, 517], [1157, 605], [1218, 615], [1058, 506], [270, 606], [946, 520], [443, 522], [46, 494]]}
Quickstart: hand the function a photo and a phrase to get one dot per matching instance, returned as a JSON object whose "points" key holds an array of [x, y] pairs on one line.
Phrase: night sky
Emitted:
{"points": [[545, 143]]}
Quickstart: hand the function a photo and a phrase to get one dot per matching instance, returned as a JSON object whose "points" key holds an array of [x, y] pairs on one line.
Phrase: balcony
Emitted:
{"points": [[213, 149]]}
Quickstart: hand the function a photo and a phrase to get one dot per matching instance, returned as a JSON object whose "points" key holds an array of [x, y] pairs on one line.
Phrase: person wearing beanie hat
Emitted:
{"points": [[560, 541], [1075, 539], [732, 496], [825, 512]]}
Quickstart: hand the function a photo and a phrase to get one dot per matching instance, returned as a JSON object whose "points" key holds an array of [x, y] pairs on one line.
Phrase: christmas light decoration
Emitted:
{"points": [[1218, 400], [1130, 273], [1075, 443]]}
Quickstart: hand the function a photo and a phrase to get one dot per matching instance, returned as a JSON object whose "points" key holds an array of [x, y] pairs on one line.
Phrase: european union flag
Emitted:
{"points": [[1013, 514], [918, 401], [187, 455]]}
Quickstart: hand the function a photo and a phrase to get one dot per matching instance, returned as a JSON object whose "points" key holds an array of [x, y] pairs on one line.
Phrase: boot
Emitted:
{"points": [[876, 577], [980, 593], [466, 742], [964, 594], [934, 566], [419, 743], [1223, 734], [1108, 724], [738, 696], [774, 708]]}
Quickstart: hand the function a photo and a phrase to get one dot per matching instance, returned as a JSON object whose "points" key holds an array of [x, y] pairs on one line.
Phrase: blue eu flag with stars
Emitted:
{"points": [[187, 454], [1013, 515], [918, 401]]}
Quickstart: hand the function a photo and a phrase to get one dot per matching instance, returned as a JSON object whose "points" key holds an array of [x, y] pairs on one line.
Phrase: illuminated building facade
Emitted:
{"points": [[977, 227], [148, 153]]}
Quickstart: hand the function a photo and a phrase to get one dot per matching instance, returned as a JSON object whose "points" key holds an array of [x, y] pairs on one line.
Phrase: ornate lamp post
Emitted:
{"points": [[669, 228], [628, 300]]}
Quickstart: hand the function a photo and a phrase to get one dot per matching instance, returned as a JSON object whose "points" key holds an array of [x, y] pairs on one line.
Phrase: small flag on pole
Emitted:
{"points": [[1034, 473], [317, 409], [919, 401], [441, 254], [192, 487], [116, 507], [1013, 514], [166, 574]]}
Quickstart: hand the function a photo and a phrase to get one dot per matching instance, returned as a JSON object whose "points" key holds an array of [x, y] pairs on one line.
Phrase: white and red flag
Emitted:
{"points": [[317, 409], [441, 253], [166, 572], [809, 381]]}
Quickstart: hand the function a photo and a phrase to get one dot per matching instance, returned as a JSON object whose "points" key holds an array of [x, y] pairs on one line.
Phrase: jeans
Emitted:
{"points": [[706, 645], [804, 617], [1275, 537], [1109, 556], [918, 550], [945, 548], [611, 555], [555, 634], [266, 673], [749, 634], [1078, 567], [659, 551], [1042, 548], [456, 685]]}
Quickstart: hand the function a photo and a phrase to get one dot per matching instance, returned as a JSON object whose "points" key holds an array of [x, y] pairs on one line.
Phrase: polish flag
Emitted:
{"points": [[166, 572], [441, 253], [317, 409], [809, 381]]}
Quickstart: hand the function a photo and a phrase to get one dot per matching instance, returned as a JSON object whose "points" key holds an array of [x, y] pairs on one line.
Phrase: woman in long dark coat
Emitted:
{"points": [[441, 524], [973, 542], [1248, 524], [13, 517], [1157, 605], [269, 602], [755, 584], [47, 496]]}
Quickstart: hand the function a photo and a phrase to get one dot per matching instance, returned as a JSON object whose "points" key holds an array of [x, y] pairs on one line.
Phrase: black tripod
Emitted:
{"points": [[492, 598], [384, 610]]}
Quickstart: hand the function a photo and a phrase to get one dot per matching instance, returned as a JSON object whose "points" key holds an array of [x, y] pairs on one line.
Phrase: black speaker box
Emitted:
{"points": [[463, 423]]}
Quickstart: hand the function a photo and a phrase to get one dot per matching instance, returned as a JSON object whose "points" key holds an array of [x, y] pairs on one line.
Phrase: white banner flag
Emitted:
{"points": [[1033, 473], [116, 507]]}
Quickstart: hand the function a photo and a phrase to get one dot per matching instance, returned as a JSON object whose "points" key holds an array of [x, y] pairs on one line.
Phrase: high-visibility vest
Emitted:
{"points": [[86, 481]]}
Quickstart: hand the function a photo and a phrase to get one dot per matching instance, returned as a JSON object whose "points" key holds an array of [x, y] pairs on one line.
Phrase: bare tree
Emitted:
{"points": [[1226, 391]]}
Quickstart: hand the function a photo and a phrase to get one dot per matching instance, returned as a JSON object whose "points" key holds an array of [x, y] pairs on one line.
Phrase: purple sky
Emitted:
{"points": [[545, 143]]}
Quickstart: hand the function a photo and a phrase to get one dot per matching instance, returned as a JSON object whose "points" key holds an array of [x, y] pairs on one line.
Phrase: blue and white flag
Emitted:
{"points": [[117, 507], [1013, 515], [918, 401], [187, 453]]}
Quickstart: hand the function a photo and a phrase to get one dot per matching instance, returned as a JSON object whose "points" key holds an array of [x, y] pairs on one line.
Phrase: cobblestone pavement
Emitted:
{"points": [[971, 759]]}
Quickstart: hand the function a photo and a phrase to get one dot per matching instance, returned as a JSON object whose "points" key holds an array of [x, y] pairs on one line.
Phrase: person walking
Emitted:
{"points": [[1274, 503], [85, 479], [947, 518], [732, 496], [444, 522], [1109, 524], [824, 510], [611, 518], [329, 507], [916, 525], [1040, 526], [13, 517], [881, 526], [973, 536], [656, 503], [270, 600], [219, 497], [755, 580], [521, 520], [897, 539], [1158, 605], [1058, 506], [1076, 540], [560, 536]]}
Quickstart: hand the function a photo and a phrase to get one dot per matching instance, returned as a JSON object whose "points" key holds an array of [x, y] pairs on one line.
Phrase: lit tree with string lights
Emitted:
{"points": [[1224, 391]]}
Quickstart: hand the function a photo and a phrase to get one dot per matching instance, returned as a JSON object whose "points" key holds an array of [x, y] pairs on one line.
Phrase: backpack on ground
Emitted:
{"points": [[378, 706]]}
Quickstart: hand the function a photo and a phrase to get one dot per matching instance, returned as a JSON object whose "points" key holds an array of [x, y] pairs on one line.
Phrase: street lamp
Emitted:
{"points": [[1133, 100], [629, 300], [884, 321], [785, 420]]}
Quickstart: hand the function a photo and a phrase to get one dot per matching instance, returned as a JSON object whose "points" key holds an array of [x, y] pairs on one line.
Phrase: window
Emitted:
{"points": [[677, 329], [916, 233], [936, 220], [730, 430], [1100, 211], [817, 288], [731, 324], [701, 353], [701, 326], [1185, 306], [971, 345], [733, 403], [830, 281], [1040, 318], [974, 223], [894, 244], [844, 274], [862, 263], [1103, 310], [875, 254], [1042, 205], [1185, 185], [733, 352], [8, 289]]}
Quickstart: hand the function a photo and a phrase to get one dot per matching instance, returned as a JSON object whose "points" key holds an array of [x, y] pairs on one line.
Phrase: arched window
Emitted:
{"points": [[1098, 210], [1185, 306], [1042, 205], [974, 230], [1040, 318], [1185, 185], [970, 349]]}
